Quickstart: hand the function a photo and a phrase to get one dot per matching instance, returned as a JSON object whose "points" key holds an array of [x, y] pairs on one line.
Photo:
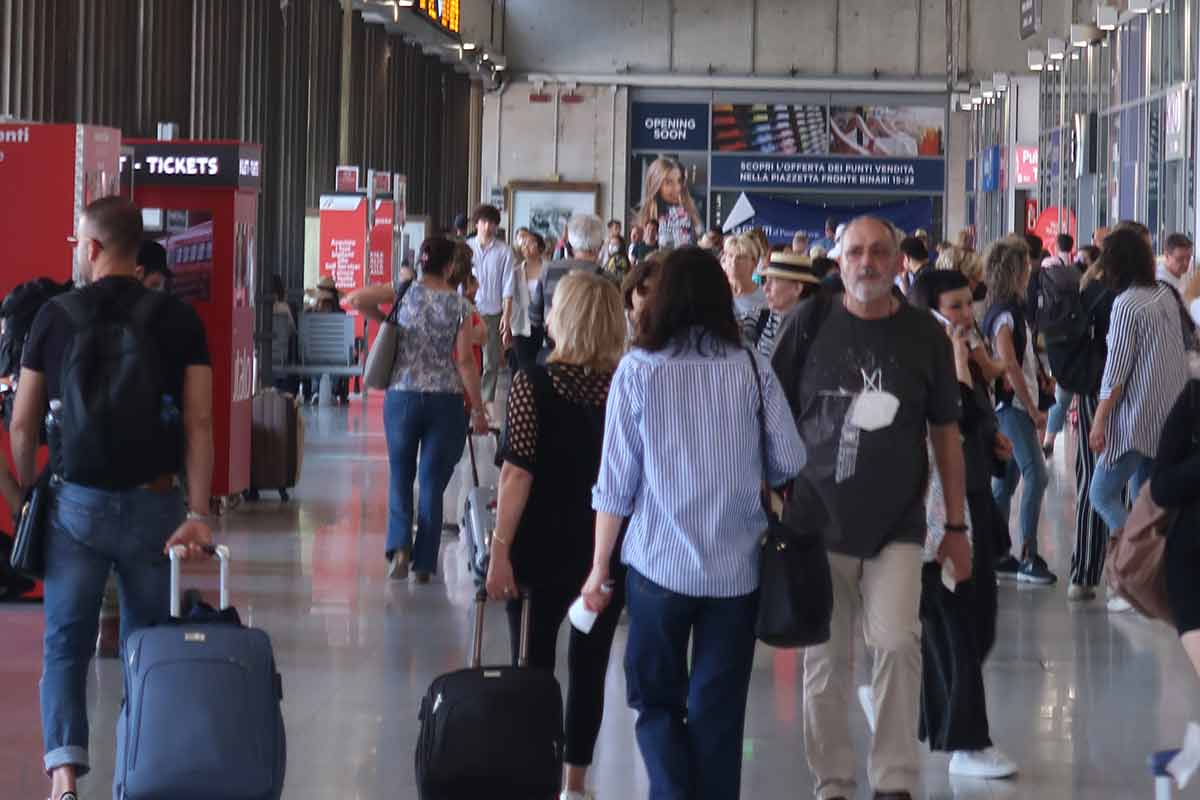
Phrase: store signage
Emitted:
{"points": [[181, 163], [989, 162], [1031, 213], [1025, 166], [15, 136], [1053, 221], [381, 182], [877, 175], [670, 126], [1031, 17]]}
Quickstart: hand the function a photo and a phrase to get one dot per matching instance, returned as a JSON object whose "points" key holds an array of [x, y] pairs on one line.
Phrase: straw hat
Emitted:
{"points": [[791, 267]]}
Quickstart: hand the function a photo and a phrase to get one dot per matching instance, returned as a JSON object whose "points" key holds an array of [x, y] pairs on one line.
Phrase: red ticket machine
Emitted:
{"points": [[200, 200], [48, 174]]}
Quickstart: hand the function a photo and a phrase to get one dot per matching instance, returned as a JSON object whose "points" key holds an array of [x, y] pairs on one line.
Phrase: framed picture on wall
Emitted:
{"points": [[545, 206]]}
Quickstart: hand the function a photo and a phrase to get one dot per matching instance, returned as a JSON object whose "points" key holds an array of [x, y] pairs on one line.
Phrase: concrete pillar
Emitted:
{"points": [[346, 89], [475, 147]]}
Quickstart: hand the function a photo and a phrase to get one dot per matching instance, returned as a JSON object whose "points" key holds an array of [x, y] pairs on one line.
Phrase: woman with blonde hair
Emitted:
{"points": [[545, 526], [1006, 327], [666, 200], [739, 260]]}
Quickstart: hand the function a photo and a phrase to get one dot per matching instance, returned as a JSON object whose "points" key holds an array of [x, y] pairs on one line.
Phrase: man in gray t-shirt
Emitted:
{"points": [[871, 388]]}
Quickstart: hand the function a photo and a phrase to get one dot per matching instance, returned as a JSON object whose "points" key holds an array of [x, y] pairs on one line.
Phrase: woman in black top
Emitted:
{"points": [[545, 526], [1091, 534], [1173, 486]]}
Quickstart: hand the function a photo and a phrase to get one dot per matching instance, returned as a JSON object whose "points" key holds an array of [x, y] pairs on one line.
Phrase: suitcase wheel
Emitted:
{"points": [[251, 495], [283, 495]]}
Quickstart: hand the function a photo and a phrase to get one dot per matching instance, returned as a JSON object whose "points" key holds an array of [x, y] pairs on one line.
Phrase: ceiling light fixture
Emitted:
{"points": [[1107, 17], [1036, 59], [1056, 49]]}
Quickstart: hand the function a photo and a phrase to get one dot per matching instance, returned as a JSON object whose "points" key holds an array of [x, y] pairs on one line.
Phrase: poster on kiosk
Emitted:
{"points": [[199, 199]]}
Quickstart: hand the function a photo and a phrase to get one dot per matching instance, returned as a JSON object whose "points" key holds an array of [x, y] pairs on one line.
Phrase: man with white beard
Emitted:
{"points": [[871, 383]]}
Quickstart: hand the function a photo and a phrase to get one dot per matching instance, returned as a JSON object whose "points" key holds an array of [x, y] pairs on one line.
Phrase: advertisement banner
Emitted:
{"points": [[343, 240], [875, 175], [1048, 227], [669, 126], [782, 219], [990, 166], [345, 178], [770, 128], [885, 131], [379, 267]]}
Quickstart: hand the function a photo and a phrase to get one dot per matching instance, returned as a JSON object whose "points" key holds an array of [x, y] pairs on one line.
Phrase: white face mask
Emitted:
{"points": [[873, 409]]}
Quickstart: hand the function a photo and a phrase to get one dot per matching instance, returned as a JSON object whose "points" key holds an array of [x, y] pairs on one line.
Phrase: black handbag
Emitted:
{"points": [[795, 587], [29, 545]]}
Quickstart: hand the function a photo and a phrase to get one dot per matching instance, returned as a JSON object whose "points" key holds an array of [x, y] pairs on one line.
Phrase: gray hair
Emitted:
{"points": [[897, 234], [586, 233]]}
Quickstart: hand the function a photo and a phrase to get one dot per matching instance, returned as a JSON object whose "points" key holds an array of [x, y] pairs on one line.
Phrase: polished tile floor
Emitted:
{"points": [[1076, 698]]}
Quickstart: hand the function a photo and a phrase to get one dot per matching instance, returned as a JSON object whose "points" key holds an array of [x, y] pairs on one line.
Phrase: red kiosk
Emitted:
{"points": [[200, 200], [49, 174]]}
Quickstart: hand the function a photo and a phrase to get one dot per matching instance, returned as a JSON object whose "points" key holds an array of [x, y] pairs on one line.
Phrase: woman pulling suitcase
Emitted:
{"points": [[545, 525]]}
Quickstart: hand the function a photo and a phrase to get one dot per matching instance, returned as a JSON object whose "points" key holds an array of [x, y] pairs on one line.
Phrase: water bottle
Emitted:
{"points": [[325, 392]]}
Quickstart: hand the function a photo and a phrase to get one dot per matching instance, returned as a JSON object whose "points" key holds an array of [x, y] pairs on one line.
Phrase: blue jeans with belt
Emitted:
{"points": [[90, 531], [433, 426], [690, 721]]}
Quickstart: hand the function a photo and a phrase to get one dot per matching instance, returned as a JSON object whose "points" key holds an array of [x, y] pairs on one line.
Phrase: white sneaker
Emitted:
{"points": [[569, 795], [1118, 604], [989, 763], [866, 699]]}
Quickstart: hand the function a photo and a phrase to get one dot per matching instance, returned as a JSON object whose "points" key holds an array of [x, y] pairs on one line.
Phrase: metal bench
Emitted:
{"points": [[326, 346]]}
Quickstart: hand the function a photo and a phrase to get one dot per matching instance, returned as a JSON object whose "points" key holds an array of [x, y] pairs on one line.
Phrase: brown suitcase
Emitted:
{"points": [[276, 443]]}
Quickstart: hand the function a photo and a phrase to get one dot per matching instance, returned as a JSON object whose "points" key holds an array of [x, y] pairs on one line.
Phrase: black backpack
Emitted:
{"points": [[1060, 317], [116, 428]]}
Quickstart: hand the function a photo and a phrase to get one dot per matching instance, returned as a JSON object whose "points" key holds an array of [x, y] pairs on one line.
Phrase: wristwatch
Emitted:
{"points": [[196, 516]]}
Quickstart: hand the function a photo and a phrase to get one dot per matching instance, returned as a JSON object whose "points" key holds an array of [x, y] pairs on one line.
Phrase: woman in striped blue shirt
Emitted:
{"points": [[1144, 374], [682, 460]]}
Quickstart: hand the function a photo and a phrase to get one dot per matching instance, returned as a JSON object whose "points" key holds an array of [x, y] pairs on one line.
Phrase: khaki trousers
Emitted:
{"points": [[887, 591]]}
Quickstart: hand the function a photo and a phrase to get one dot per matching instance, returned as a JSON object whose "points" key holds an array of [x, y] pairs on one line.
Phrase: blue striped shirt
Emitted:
{"points": [[682, 459]]}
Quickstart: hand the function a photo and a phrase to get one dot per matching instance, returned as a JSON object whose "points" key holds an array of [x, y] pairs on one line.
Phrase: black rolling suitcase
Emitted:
{"points": [[492, 731]]}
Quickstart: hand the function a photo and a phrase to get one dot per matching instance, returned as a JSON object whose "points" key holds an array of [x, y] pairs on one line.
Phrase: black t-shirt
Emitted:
{"points": [[863, 404], [176, 331]]}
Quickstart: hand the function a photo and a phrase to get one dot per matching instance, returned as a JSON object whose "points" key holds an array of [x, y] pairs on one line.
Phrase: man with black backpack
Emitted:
{"points": [[125, 375]]}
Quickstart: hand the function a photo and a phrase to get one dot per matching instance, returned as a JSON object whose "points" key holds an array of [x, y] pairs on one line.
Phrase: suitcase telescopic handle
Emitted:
{"points": [[177, 553], [481, 599]]}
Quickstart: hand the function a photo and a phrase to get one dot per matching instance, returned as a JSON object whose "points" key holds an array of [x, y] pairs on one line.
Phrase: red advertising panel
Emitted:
{"points": [[1031, 214], [379, 268], [343, 240], [1048, 225], [1026, 170]]}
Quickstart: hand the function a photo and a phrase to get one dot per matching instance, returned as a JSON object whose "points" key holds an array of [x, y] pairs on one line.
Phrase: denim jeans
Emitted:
{"points": [[1028, 463], [90, 531], [1132, 470], [432, 425], [690, 723], [1056, 419]]}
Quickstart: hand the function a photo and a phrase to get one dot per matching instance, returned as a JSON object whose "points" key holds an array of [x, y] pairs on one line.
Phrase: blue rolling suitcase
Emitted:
{"points": [[201, 718]]}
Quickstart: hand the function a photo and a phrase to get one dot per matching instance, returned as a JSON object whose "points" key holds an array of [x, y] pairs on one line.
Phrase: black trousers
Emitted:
{"points": [[587, 656], [958, 630]]}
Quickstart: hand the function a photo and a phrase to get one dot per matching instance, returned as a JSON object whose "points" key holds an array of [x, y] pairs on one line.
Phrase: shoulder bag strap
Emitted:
{"points": [[761, 412], [395, 312]]}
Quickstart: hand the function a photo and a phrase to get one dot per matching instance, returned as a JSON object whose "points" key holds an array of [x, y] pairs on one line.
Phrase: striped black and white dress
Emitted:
{"points": [[1146, 357]]}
